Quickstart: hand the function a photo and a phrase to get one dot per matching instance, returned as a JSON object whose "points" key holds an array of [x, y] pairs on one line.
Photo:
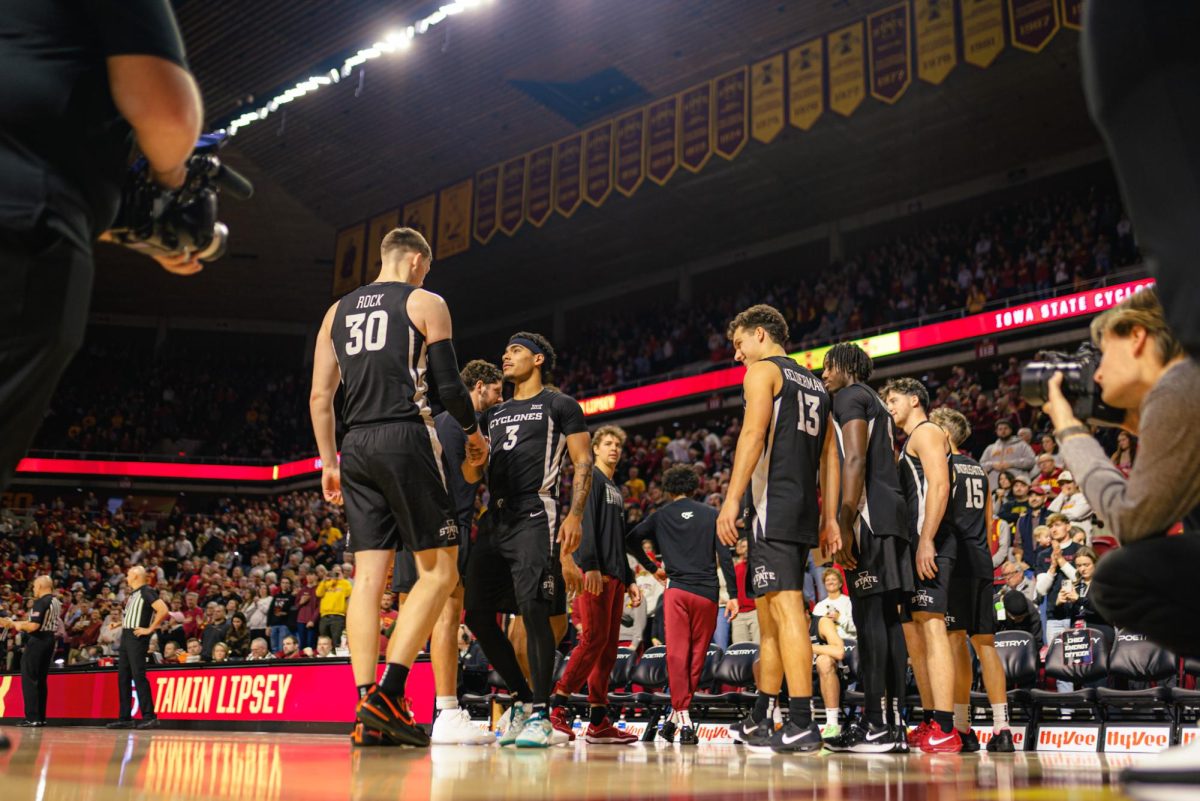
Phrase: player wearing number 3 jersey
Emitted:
{"points": [[383, 343]]}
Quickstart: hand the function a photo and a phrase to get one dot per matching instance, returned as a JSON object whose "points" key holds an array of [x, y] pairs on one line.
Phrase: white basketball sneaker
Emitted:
{"points": [[454, 727]]}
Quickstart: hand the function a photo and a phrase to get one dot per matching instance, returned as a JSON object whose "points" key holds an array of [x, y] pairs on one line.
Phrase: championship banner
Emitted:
{"points": [[539, 187], [695, 126], [454, 221], [806, 79], [766, 98], [419, 215], [512, 195], [729, 117], [348, 261], [662, 139], [630, 144], [937, 54], [1072, 14], [890, 53], [1034, 23], [568, 175], [377, 229], [598, 163], [983, 31], [847, 81], [487, 192]]}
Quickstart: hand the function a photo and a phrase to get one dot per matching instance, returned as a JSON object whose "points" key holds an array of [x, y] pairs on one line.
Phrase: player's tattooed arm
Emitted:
{"points": [[571, 531]]}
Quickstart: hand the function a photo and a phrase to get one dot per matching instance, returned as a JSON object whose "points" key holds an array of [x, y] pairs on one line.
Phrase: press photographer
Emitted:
{"points": [[1148, 583], [83, 81]]}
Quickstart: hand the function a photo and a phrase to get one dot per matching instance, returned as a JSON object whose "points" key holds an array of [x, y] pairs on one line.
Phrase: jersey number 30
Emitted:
{"points": [[376, 331]]}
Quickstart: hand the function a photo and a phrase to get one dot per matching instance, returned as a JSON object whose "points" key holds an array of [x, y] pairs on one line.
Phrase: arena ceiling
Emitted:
{"points": [[479, 88]]}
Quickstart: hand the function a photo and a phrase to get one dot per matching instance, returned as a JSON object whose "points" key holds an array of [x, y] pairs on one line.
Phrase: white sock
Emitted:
{"points": [[999, 718], [831, 717], [685, 718], [962, 717], [776, 713], [446, 702]]}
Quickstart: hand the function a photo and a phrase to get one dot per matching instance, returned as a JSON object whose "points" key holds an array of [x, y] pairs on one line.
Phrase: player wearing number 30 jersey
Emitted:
{"points": [[383, 342]]}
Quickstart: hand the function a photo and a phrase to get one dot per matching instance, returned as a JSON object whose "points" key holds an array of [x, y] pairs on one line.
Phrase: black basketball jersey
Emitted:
{"points": [[783, 486], [965, 513], [382, 356], [882, 508], [916, 487], [528, 441]]}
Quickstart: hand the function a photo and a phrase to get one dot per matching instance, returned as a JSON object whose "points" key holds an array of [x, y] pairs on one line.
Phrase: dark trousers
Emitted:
{"points": [[332, 626], [593, 658], [1150, 588], [131, 667], [690, 620], [45, 290], [35, 667]]}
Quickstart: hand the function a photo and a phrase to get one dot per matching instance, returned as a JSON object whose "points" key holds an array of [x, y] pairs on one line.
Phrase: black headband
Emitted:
{"points": [[527, 343]]}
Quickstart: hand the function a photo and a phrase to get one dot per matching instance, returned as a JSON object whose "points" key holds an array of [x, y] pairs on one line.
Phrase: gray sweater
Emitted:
{"points": [[1164, 485]]}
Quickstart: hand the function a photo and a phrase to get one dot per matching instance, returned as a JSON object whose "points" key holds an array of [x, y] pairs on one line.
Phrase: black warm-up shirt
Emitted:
{"points": [[603, 544], [684, 532]]}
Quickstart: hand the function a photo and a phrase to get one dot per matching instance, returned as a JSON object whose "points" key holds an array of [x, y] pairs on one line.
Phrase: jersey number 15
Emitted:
{"points": [[375, 330], [975, 496]]}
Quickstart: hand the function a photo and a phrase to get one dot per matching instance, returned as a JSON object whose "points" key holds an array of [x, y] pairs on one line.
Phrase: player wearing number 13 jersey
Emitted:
{"points": [[383, 343]]}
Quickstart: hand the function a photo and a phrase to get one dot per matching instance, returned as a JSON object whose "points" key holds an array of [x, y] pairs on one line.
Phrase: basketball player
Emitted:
{"points": [[515, 561], [872, 544], [971, 611], [453, 726], [925, 476], [44, 619], [684, 533], [602, 567], [383, 342], [777, 459]]}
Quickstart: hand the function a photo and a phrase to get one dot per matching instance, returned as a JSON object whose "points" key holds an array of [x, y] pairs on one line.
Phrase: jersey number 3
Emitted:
{"points": [[376, 331], [510, 437]]}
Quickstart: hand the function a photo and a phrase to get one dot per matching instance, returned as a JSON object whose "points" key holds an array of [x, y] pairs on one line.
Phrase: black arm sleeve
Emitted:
{"points": [[725, 563], [443, 366]]}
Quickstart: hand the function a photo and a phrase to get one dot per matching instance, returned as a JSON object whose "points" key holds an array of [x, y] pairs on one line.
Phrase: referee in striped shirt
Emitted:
{"points": [[43, 622], [144, 612]]}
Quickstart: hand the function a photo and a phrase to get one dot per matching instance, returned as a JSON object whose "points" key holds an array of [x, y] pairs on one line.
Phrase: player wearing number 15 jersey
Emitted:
{"points": [[383, 342], [779, 453]]}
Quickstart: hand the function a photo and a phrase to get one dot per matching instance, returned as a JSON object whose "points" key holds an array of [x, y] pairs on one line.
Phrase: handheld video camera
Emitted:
{"points": [[167, 222], [1079, 384]]}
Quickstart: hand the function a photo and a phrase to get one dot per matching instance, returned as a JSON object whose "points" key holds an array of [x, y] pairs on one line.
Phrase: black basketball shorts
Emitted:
{"points": [[932, 595], [395, 489], [514, 560], [404, 574], [774, 565], [884, 564], [972, 606]]}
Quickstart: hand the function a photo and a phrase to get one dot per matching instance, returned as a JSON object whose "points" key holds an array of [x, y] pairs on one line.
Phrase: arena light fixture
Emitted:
{"points": [[394, 41]]}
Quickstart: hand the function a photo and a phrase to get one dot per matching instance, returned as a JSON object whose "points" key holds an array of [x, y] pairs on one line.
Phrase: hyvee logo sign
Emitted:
{"points": [[1136, 740], [1075, 738]]}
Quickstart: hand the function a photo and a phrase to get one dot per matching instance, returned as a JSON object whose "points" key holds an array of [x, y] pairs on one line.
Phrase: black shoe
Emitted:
{"points": [[687, 736], [5, 743], [869, 739], [851, 733], [900, 735], [121, 724], [379, 711], [667, 732], [1001, 743], [792, 739], [970, 741], [152, 723], [753, 733], [27, 724]]}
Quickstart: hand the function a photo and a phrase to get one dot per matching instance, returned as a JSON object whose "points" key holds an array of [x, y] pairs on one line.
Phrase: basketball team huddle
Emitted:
{"points": [[815, 467]]}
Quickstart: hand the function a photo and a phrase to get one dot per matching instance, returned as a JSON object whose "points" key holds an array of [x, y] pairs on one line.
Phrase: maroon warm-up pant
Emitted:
{"points": [[593, 658], [689, 623]]}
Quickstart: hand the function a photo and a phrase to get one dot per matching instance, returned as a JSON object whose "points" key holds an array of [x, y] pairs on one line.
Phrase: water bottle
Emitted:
{"points": [[577, 726], [621, 723]]}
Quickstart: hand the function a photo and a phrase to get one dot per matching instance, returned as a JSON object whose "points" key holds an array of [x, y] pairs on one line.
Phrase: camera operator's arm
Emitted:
{"points": [[161, 102], [1164, 484]]}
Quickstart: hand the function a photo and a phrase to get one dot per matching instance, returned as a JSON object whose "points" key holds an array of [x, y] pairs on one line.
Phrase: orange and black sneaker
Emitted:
{"points": [[392, 716], [363, 737]]}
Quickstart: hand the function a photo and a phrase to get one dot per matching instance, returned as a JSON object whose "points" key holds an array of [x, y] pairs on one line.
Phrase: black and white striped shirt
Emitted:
{"points": [[139, 609]]}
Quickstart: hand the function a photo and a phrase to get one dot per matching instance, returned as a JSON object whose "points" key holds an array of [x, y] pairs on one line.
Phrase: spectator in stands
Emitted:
{"points": [[1017, 502], [334, 593], [308, 611], [1049, 446], [1071, 503], [237, 638], [215, 631], [1077, 535], [1047, 475], [387, 620], [836, 605], [1125, 453], [110, 633], [635, 484], [193, 652], [220, 653], [256, 610], [170, 652], [745, 626], [1021, 615], [173, 626], [281, 620], [1008, 452], [1015, 580], [324, 648], [1035, 515], [259, 650], [1073, 602], [291, 648]]}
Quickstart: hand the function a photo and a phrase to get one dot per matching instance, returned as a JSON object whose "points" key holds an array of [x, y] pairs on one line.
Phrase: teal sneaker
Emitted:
{"points": [[517, 715], [538, 732]]}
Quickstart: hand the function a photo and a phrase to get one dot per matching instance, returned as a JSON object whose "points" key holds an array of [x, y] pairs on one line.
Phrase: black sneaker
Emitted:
{"points": [[792, 739], [850, 734], [118, 724], [379, 711], [970, 741], [667, 732], [1001, 743], [750, 732], [900, 734], [872, 739], [27, 724], [687, 736], [152, 723]]}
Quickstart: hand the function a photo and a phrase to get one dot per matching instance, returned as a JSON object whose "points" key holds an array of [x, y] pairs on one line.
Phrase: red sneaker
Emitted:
{"points": [[605, 733], [918, 734], [561, 723], [937, 742]]}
